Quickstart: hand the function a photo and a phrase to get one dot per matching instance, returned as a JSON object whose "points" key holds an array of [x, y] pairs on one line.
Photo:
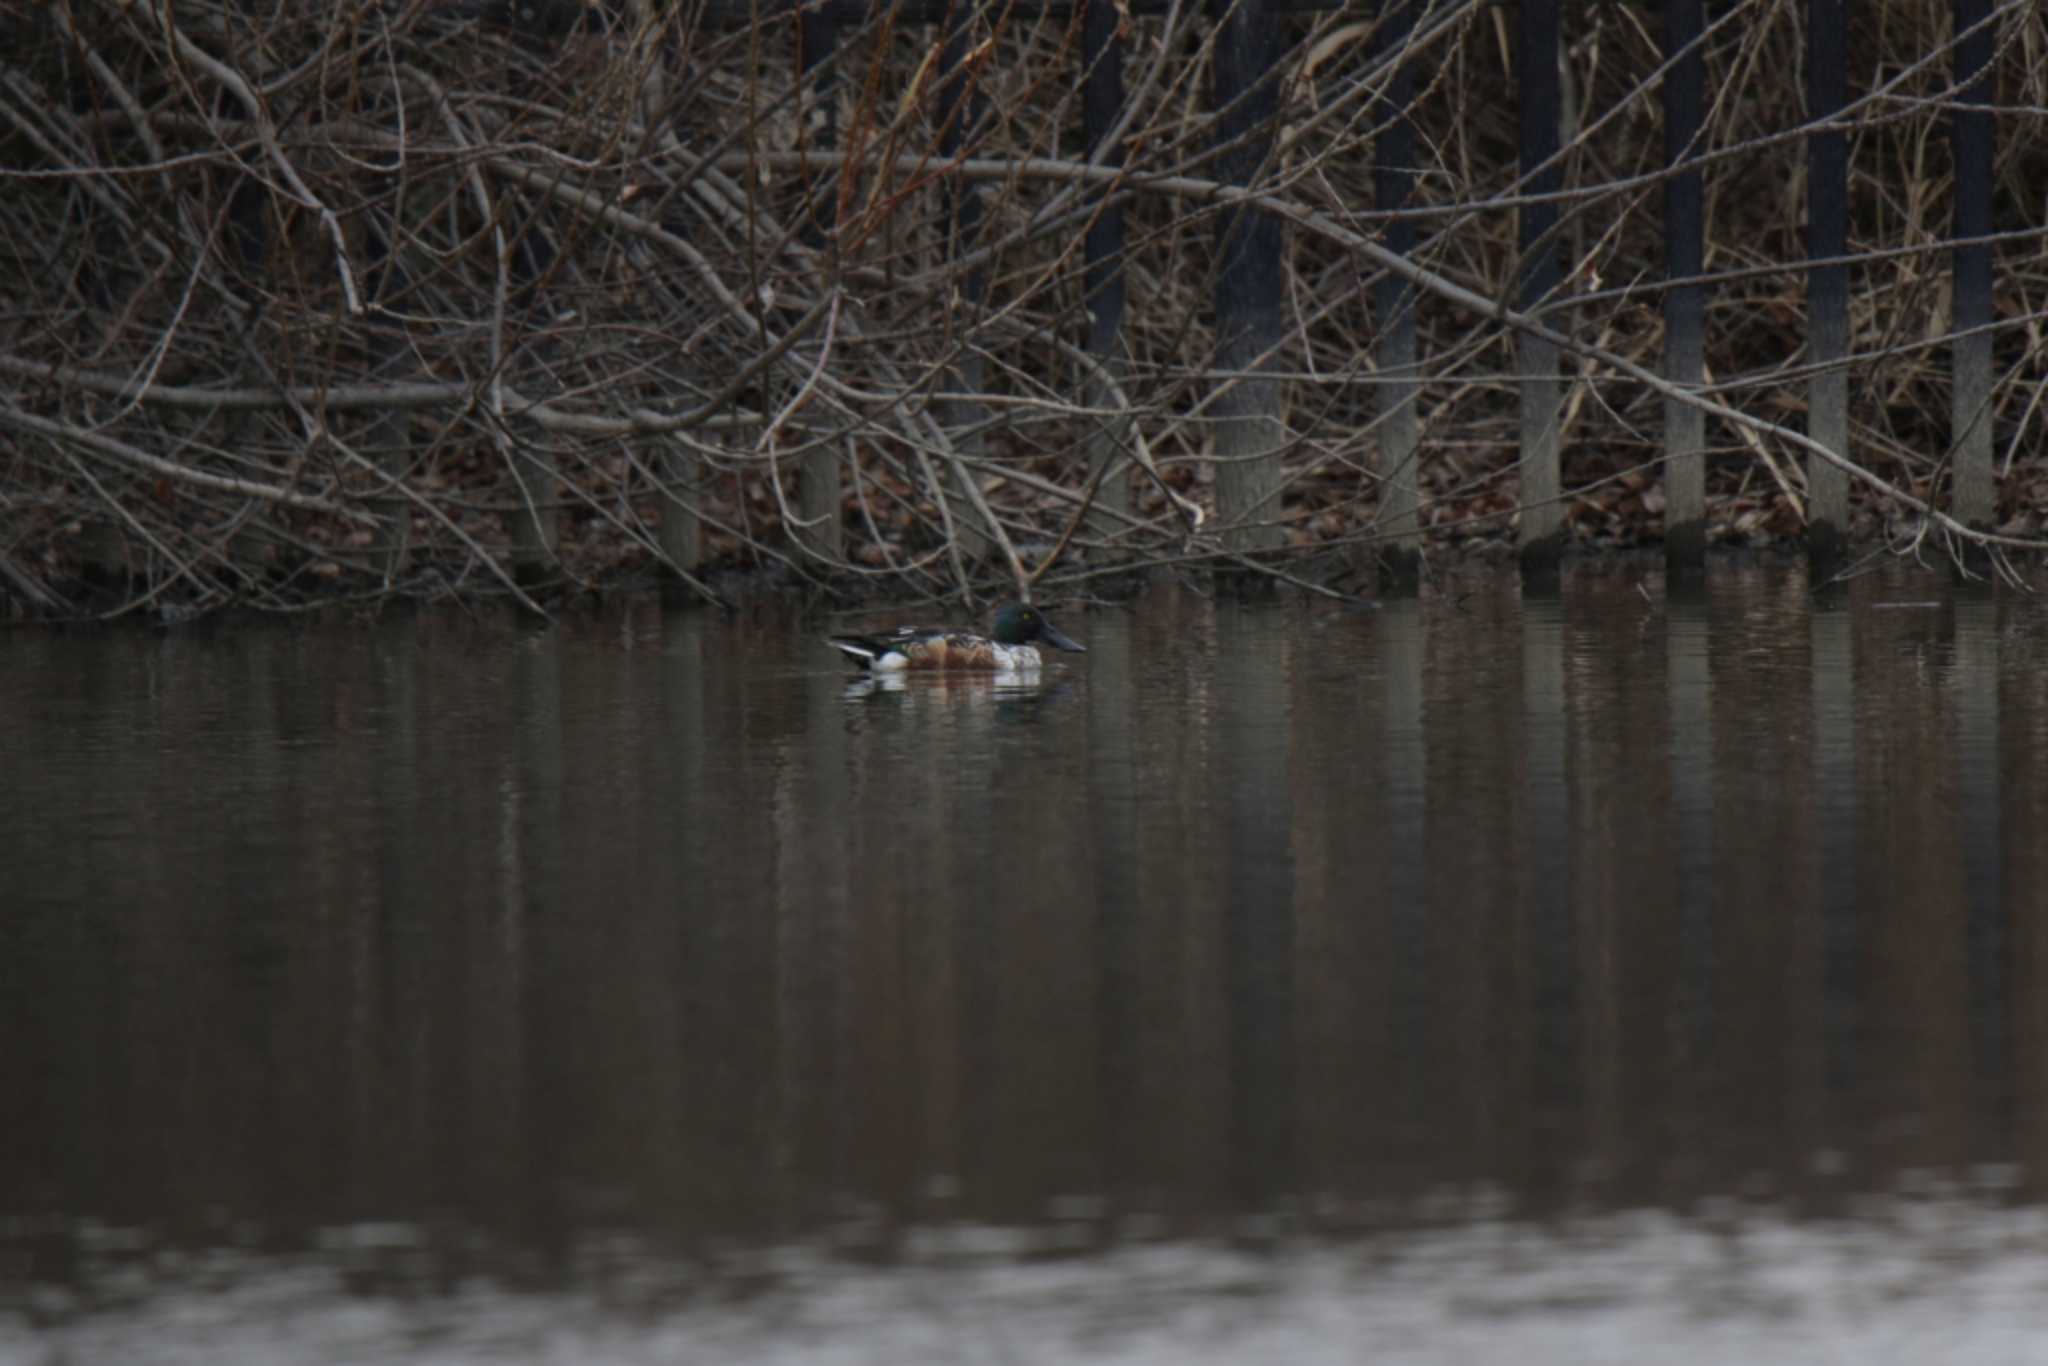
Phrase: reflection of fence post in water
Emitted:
{"points": [[1404, 889], [1689, 686], [1116, 795], [1982, 830], [1546, 908], [1842, 931], [1259, 914]]}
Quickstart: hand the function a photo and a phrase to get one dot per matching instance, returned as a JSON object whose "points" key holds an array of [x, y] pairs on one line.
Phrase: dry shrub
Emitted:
{"points": [[308, 299]]}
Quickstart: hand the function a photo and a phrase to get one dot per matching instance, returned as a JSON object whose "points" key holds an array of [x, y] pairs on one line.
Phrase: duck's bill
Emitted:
{"points": [[1055, 637]]}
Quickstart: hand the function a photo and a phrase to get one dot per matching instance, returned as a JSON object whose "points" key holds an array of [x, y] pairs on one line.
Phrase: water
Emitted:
{"points": [[1612, 977]]}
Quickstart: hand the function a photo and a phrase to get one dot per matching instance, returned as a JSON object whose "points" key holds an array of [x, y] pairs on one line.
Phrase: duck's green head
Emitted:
{"points": [[1019, 624]]}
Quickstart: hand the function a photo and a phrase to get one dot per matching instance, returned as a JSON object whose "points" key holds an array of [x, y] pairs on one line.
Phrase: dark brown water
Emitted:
{"points": [[1459, 980]]}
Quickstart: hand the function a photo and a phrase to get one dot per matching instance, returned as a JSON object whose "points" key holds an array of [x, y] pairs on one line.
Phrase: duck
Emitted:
{"points": [[1007, 648]]}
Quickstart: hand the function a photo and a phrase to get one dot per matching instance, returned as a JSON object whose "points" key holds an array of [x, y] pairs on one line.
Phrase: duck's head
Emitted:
{"points": [[1020, 624]]}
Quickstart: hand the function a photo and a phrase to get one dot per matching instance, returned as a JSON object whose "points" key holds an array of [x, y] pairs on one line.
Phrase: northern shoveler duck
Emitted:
{"points": [[1006, 649]]}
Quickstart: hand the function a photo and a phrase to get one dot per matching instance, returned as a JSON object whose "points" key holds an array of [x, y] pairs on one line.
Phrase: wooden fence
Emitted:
{"points": [[305, 273], [1249, 50]]}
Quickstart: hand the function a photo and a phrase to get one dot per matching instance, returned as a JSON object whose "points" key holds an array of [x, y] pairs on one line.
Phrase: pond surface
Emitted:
{"points": [[1597, 978]]}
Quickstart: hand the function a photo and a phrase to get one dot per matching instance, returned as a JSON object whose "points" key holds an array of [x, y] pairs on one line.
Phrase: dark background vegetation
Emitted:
{"points": [[302, 300]]}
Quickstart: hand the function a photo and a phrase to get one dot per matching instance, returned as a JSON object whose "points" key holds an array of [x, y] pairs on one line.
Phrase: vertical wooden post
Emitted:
{"points": [[682, 534], [1827, 286], [1685, 427], [389, 432], [389, 435], [1399, 556], [1248, 428], [1102, 271], [536, 522], [1536, 54], [960, 110], [818, 491], [1971, 136], [532, 461]]}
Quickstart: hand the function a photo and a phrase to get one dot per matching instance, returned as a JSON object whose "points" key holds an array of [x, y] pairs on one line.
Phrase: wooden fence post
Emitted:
{"points": [[1102, 271], [1536, 54], [1685, 427], [537, 521], [389, 436], [1399, 557], [1975, 500], [1827, 286], [818, 490], [1249, 433], [682, 535], [961, 110]]}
